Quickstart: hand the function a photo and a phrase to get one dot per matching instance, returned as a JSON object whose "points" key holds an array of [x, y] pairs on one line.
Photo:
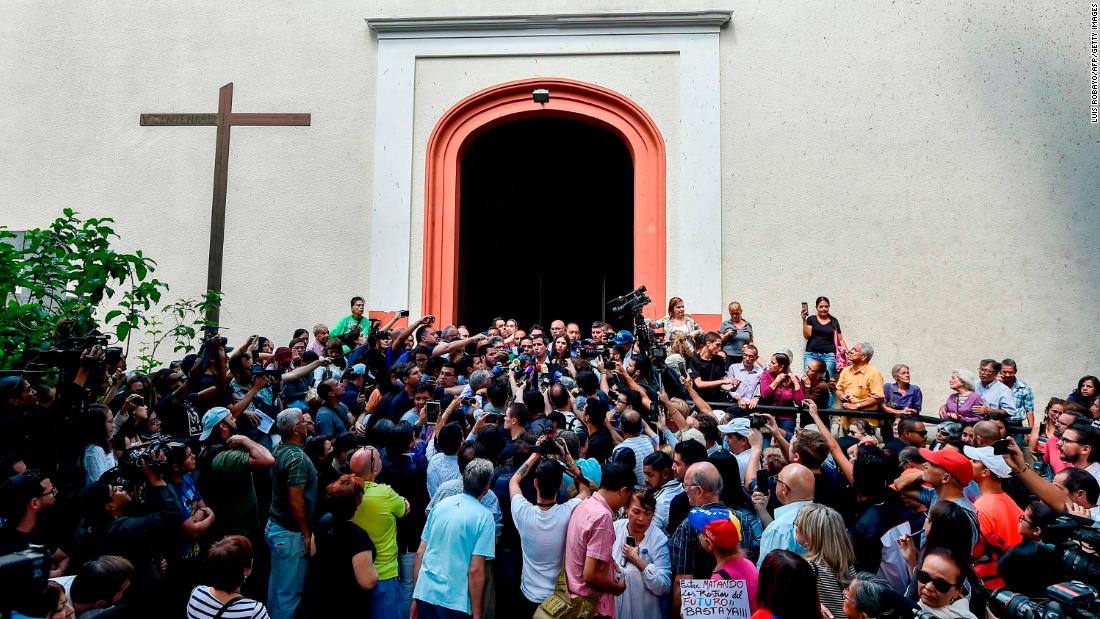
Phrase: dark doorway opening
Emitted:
{"points": [[546, 224]]}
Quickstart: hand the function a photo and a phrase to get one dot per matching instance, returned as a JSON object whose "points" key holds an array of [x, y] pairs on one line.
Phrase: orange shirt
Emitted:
{"points": [[998, 514]]}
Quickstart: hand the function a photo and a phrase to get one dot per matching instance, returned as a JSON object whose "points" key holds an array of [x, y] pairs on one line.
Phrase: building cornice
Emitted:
{"points": [[697, 21]]}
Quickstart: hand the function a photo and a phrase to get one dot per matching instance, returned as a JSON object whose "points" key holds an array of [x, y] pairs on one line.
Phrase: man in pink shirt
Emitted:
{"points": [[1052, 455], [589, 567]]}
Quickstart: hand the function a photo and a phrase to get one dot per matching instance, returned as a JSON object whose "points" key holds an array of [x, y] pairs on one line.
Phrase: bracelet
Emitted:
{"points": [[1023, 469]]}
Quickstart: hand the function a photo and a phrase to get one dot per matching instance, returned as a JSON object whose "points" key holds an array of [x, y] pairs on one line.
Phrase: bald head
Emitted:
{"points": [[797, 484], [985, 433], [365, 462], [704, 483], [631, 422]]}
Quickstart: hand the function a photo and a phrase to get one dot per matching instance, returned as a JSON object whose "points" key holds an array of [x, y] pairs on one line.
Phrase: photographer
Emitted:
{"points": [[116, 523]]}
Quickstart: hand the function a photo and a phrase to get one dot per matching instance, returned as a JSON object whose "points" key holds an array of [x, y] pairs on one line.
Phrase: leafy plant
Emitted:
{"points": [[60, 276], [179, 321]]}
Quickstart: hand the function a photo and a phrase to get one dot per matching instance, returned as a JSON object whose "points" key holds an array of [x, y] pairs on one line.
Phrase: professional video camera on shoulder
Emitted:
{"points": [[25, 575], [155, 452]]}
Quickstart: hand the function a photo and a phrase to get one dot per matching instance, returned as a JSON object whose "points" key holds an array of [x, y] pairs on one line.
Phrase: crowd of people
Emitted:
{"points": [[446, 471]]}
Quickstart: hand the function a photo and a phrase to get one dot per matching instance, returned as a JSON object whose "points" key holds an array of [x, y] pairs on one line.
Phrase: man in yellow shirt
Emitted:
{"points": [[860, 385], [377, 515]]}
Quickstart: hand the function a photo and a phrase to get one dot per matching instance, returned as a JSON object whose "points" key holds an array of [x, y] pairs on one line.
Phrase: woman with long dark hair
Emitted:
{"points": [[782, 574], [822, 333], [96, 425], [1085, 394]]}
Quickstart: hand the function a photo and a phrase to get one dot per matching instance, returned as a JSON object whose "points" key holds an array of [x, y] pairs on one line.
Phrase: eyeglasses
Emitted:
{"points": [[1023, 518], [686, 486], [50, 492], [1069, 440], [939, 584], [920, 432], [780, 481]]}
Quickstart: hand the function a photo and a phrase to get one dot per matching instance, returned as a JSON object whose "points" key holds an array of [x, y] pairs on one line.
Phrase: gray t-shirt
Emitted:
{"points": [[732, 346]]}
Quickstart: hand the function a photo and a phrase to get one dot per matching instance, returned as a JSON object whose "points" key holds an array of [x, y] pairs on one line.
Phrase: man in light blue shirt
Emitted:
{"points": [[794, 487], [458, 538], [998, 397], [747, 373]]}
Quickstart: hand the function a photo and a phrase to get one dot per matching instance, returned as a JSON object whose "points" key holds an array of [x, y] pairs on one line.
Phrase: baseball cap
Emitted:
{"points": [[211, 420], [951, 461], [691, 434], [623, 337], [282, 354], [358, 369], [9, 386], [989, 460], [725, 534], [738, 425]]}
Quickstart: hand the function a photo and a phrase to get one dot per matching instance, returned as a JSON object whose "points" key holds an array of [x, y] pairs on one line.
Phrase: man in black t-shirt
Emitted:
{"points": [[600, 443], [708, 369]]}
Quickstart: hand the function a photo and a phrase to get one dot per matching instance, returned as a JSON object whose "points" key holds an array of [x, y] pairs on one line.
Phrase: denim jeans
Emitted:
{"points": [[288, 571], [385, 599], [406, 561], [828, 357]]}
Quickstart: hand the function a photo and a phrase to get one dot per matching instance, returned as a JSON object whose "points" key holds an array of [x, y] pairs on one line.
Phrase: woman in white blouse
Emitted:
{"points": [[96, 423], [642, 554], [677, 321]]}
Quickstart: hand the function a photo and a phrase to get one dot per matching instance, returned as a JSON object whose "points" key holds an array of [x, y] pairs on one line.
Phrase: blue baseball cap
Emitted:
{"points": [[211, 420]]}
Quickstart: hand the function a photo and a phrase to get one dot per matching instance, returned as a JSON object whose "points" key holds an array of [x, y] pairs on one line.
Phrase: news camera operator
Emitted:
{"points": [[133, 520]]}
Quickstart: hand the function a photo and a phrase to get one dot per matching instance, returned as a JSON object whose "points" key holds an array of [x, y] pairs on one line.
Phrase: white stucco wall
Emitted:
{"points": [[931, 168]]}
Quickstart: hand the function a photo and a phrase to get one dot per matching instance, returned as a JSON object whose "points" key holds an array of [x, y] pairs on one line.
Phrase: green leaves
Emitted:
{"points": [[68, 272]]}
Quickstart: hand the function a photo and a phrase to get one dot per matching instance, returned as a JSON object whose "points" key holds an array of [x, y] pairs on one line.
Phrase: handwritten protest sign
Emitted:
{"points": [[714, 599]]}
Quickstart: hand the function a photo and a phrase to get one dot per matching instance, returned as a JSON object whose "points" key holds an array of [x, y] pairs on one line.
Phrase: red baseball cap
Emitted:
{"points": [[724, 534], [951, 461]]}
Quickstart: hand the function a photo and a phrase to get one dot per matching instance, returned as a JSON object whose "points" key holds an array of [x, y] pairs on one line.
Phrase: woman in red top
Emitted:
{"points": [[779, 386]]}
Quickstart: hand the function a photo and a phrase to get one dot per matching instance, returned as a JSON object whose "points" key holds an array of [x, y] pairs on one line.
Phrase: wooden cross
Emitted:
{"points": [[223, 120]]}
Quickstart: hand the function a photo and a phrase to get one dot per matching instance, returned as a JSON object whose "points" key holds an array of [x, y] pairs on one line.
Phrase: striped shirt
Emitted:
{"points": [[203, 605], [830, 589]]}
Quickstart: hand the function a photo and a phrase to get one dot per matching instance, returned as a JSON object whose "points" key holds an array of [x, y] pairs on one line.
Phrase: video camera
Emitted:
{"points": [[1073, 598], [25, 574], [649, 344], [1068, 599], [137, 457], [257, 369], [590, 349]]}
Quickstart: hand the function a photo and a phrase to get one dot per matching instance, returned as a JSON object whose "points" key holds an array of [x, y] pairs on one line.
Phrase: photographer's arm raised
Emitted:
{"points": [[305, 370], [455, 346], [634, 386], [399, 340]]}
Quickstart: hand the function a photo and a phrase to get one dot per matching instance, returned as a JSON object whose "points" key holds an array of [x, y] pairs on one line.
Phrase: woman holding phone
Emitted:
{"points": [[642, 552], [822, 332]]}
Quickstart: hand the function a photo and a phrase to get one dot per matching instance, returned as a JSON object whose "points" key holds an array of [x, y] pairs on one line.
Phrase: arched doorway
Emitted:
{"points": [[546, 217], [510, 102]]}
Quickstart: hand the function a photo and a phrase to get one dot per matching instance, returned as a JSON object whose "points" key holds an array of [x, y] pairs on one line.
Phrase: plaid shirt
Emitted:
{"points": [[683, 545], [1025, 400]]}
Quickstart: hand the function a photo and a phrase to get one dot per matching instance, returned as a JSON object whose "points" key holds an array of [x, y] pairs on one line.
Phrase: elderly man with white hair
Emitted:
{"points": [[458, 539], [860, 385]]}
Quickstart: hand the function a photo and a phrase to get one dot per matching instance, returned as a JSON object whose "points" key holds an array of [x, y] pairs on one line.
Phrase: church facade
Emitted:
{"points": [[931, 169]]}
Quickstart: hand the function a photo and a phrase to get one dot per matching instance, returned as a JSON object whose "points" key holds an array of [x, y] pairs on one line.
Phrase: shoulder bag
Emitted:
{"points": [[562, 605], [841, 350]]}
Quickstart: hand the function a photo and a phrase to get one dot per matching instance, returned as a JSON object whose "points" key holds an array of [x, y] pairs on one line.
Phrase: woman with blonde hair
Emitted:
{"points": [[821, 531], [679, 352], [676, 321]]}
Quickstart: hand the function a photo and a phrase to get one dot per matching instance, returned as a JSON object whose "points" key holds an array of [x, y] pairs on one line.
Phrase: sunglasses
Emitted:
{"points": [[939, 584], [920, 432]]}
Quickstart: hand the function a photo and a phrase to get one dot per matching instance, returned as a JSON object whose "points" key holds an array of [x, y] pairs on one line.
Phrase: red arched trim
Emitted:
{"points": [[512, 101]]}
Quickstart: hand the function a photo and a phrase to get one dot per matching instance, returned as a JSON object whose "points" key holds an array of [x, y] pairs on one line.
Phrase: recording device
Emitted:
{"points": [[805, 307], [762, 485], [494, 418], [630, 541], [1067, 599], [757, 421], [431, 411], [25, 575], [1000, 447], [147, 454], [1072, 598], [591, 349], [138, 400], [112, 355], [257, 369], [650, 344], [403, 313]]}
